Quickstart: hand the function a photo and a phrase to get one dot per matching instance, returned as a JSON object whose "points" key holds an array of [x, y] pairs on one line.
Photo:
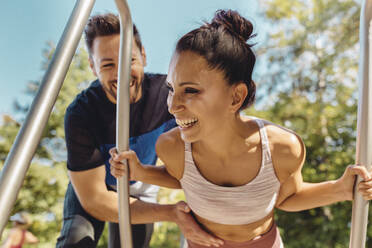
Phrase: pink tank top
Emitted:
{"points": [[232, 205], [20, 242]]}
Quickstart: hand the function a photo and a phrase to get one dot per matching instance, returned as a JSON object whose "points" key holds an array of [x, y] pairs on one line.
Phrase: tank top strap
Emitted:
{"points": [[264, 141], [188, 154], [187, 147], [21, 242], [23, 237]]}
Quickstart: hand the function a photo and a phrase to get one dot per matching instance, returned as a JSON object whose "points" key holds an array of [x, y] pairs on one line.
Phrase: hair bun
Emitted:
{"points": [[235, 23]]}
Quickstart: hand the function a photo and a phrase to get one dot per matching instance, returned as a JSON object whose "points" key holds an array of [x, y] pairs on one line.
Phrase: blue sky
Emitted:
{"points": [[28, 25]]}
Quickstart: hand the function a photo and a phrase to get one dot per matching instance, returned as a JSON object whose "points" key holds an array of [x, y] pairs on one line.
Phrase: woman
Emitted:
{"points": [[19, 235], [234, 171]]}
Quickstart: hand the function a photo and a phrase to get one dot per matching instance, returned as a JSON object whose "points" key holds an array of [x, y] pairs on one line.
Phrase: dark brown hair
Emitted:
{"points": [[104, 25], [223, 43]]}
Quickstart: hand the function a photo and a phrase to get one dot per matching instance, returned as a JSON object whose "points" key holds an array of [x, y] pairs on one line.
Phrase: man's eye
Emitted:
{"points": [[107, 65], [191, 91], [169, 87]]}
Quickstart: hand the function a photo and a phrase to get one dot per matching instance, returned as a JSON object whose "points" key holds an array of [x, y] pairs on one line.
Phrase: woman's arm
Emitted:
{"points": [[156, 175], [297, 195], [30, 238], [169, 147], [312, 195]]}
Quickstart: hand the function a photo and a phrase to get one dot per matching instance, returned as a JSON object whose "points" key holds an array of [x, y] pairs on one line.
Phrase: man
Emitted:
{"points": [[90, 126]]}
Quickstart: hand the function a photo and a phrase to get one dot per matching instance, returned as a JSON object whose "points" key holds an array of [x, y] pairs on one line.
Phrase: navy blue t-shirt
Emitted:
{"points": [[90, 125]]}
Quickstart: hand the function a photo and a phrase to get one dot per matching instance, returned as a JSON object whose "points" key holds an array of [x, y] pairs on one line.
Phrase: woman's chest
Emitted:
{"points": [[236, 171]]}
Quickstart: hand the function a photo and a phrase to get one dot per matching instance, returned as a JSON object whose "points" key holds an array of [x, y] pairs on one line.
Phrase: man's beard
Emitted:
{"points": [[111, 89], [134, 91]]}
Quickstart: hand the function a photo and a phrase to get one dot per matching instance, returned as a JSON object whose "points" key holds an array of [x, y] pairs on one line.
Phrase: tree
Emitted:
{"points": [[310, 87]]}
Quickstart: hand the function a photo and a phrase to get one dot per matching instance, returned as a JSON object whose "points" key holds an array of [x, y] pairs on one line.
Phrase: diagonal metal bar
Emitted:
{"points": [[28, 138], [122, 117], [359, 219]]}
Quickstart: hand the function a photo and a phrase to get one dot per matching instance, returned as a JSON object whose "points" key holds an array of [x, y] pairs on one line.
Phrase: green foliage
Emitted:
{"points": [[310, 87]]}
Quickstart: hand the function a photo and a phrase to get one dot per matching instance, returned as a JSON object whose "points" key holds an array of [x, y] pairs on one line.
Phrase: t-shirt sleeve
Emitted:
{"points": [[82, 153]]}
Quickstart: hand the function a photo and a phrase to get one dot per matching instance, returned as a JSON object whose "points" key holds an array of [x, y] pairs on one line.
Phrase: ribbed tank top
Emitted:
{"points": [[21, 241], [232, 205]]}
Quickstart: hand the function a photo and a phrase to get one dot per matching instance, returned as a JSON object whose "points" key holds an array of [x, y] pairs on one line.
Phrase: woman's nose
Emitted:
{"points": [[174, 104]]}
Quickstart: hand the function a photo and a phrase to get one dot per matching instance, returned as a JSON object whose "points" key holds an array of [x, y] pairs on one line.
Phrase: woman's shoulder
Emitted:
{"points": [[274, 131], [170, 139], [288, 149], [276, 134], [286, 146], [170, 149]]}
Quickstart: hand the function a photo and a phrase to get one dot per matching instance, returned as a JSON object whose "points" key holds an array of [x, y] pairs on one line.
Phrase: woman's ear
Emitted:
{"points": [[239, 93]]}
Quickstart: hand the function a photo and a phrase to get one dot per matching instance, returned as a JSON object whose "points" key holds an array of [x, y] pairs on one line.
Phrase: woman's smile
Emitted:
{"points": [[186, 123]]}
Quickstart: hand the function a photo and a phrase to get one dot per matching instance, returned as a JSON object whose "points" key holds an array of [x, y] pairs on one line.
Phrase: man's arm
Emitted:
{"points": [[102, 204], [93, 195]]}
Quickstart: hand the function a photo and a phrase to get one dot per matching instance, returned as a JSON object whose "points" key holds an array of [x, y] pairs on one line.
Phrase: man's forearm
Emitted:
{"points": [[103, 206], [144, 212], [106, 209], [313, 195]]}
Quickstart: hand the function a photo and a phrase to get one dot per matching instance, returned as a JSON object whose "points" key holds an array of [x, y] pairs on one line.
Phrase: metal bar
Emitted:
{"points": [[359, 219], [122, 117], [28, 138]]}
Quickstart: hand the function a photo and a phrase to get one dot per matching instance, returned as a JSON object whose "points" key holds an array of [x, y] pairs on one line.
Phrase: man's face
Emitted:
{"points": [[104, 62]]}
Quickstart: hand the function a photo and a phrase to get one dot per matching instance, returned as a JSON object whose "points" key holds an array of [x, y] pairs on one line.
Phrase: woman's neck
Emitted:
{"points": [[225, 143]]}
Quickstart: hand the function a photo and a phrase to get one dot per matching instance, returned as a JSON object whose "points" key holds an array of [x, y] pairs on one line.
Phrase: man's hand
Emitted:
{"points": [[191, 229]]}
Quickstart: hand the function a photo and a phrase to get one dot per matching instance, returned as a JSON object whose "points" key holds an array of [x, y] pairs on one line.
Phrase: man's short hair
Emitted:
{"points": [[105, 25]]}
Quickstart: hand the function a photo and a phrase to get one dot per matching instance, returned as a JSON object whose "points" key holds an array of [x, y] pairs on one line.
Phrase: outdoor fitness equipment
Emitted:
{"points": [[363, 156], [24, 147]]}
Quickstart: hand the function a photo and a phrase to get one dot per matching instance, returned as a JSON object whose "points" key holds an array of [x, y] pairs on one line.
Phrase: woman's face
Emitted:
{"points": [[199, 98]]}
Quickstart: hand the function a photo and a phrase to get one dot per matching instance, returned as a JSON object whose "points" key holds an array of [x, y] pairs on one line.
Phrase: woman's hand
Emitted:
{"points": [[118, 169], [347, 181]]}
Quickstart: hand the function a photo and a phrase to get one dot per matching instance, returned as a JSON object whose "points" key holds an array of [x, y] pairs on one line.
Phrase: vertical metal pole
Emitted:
{"points": [[122, 117], [27, 140], [364, 139]]}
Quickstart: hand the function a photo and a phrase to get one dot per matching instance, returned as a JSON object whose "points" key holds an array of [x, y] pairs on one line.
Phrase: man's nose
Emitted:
{"points": [[115, 72]]}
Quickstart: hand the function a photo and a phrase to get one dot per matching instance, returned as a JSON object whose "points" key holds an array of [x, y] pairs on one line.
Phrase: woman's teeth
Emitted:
{"points": [[187, 122]]}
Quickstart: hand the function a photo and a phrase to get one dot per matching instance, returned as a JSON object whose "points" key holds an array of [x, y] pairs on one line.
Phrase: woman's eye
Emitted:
{"points": [[191, 91]]}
